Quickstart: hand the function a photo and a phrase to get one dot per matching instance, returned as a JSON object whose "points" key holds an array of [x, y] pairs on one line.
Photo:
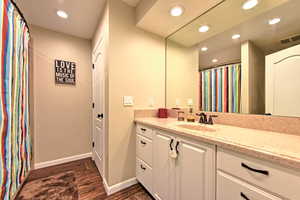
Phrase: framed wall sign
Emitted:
{"points": [[65, 72]]}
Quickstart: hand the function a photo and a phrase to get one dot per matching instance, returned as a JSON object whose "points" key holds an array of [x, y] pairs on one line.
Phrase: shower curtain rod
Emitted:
{"points": [[20, 13], [220, 65]]}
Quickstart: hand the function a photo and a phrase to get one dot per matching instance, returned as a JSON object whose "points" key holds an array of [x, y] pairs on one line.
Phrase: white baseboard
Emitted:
{"points": [[118, 187], [106, 187], [61, 160]]}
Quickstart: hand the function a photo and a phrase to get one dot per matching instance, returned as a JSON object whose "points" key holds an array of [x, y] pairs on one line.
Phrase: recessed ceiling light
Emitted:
{"points": [[62, 14], [176, 11], [250, 4], [215, 60], [236, 36], [274, 21], [204, 29], [204, 49]]}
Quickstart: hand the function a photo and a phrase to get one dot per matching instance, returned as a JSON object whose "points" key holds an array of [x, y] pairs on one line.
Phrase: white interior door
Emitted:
{"points": [[283, 83], [98, 106]]}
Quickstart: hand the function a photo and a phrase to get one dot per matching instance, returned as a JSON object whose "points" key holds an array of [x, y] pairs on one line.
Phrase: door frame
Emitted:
{"points": [[95, 54]]}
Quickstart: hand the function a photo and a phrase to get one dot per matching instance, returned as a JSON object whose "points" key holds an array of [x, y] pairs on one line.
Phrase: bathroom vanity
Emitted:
{"points": [[220, 162], [245, 69]]}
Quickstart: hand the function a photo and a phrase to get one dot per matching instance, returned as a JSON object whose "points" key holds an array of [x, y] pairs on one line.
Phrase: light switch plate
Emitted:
{"points": [[151, 102], [177, 102], [128, 101]]}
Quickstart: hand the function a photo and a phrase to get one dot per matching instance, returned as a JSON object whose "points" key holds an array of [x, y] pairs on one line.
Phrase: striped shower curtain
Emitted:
{"points": [[15, 142], [220, 89]]}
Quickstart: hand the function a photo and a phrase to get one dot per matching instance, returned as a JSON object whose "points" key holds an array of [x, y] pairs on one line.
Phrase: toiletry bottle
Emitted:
{"points": [[180, 116], [190, 117]]}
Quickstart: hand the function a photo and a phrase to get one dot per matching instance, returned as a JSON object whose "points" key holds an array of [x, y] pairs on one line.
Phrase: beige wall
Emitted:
{"points": [[182, 75], [62, 113], [227, 55], [257, 80], [253, 79], [136, 67]]}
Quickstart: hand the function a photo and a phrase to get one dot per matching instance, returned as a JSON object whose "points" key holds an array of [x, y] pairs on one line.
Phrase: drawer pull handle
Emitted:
{"points": [[172, 140], [177, 144], [255, 170], [143, 129], [142, 142], [143, 168], [244, 196]]}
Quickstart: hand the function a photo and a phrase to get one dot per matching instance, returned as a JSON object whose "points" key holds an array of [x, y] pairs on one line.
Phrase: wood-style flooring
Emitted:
{"points": [[89, 184]]}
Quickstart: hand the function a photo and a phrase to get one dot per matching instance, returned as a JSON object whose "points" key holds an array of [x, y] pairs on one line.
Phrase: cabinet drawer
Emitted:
{"points": [[144, 149], [144, 131], [230, 188], [144, 174], [266, 175]]}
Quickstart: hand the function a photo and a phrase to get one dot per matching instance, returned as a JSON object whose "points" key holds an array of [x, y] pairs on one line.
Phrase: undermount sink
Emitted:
{"points": [[196, 127]]}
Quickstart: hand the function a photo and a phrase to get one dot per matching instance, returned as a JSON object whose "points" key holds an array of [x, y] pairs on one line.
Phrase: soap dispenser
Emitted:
{"points": [[190, 117]]}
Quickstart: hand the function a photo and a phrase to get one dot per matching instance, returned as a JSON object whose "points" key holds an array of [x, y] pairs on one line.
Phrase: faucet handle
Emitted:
{"points": [[210, 120]]}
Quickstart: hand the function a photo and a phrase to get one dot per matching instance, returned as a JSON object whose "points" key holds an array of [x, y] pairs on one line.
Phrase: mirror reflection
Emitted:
{"points": [[244, 61]]}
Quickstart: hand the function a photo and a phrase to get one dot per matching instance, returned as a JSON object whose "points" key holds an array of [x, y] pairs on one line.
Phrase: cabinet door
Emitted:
{"points": [[195, 171], [163, 167]]}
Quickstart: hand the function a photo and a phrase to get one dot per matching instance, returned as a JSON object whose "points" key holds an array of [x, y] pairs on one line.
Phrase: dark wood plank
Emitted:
{"points": [[89, 182]]}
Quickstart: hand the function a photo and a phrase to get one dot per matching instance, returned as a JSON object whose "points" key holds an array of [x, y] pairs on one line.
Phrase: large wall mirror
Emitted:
{"points": [[239, 57]]}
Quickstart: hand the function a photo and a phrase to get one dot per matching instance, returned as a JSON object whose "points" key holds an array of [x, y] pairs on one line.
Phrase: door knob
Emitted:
{"points": [[100, 116]]}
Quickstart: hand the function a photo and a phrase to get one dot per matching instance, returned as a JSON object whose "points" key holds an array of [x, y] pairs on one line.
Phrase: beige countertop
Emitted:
{"points": [[280, 148]]}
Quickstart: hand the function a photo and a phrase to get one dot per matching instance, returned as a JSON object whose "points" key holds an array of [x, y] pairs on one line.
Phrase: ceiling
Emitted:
{"points": [[153, 15], [257, 30], [225, 16], [132, 3], [83, 17]]}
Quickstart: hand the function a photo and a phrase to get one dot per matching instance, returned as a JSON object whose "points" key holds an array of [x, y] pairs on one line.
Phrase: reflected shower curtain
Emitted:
{"points": [[15, 142], [220, 89]]}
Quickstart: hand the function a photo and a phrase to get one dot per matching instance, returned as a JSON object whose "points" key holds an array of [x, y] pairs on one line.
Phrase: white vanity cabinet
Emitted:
{"points": [[203, 171], [190, 176], [233, 188], [246, 178]]}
